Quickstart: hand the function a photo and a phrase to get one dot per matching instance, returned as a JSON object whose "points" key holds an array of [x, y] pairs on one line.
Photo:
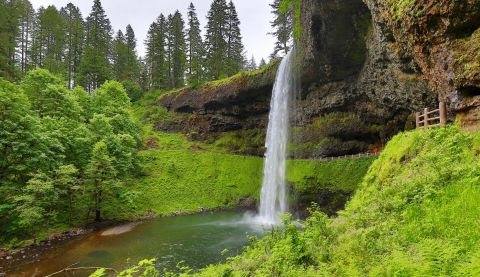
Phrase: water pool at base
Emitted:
{"points": [[197, 240]]}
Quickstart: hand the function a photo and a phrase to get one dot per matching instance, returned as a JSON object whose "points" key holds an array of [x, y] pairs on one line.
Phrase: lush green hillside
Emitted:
{"points": [[415, 214]]}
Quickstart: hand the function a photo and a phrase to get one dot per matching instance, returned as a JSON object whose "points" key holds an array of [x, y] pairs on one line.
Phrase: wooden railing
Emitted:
{"points": [[343, 157], [432, 118]]}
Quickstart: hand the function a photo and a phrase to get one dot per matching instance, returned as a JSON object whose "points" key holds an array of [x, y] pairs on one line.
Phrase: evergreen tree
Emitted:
{"points": [[50, 40], [235, 48], [176, 52], [283, 26], [26, 17], [156, 63], [8, 33], [195, 48], [120, 59], [262, 63], [215, 40], [95, 64], [74, 40], [251, 65], [133, 65]]}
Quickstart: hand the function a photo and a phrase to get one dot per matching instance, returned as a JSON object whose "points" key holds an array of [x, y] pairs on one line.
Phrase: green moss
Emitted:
{"points": [[467, 58], [398, 8]]}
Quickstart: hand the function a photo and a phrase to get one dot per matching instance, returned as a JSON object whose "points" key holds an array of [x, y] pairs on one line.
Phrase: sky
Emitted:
{"points": [[255, 17]]}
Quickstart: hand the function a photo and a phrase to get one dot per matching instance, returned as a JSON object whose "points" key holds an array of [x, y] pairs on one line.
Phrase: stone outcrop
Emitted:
{"points": [[443, 38], [348, 63]]}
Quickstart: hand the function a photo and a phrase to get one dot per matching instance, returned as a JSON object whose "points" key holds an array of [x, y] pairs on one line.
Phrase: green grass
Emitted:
{"points": [[416, 213]]}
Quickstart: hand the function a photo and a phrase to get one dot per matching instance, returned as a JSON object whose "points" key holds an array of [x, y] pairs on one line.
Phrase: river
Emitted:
{"points": [[197, 240]]}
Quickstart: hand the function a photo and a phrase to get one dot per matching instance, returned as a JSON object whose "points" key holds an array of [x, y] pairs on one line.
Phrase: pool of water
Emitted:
{"points": [[197, 240]]}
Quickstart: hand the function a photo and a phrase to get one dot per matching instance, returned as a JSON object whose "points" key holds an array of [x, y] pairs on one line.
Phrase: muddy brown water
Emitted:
{"points": [[197, 240]]}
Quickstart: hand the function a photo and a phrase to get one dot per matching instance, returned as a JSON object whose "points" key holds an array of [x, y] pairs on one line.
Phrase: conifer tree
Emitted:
{"points": [[26, 16], [95, 64], [8, 33], [120, 57], [133, 66], [251, 65], [195, 48], [176, 45], [215, 40], [283, 26], [262, 63], [235, 48], [74, 40], [156, 64]]}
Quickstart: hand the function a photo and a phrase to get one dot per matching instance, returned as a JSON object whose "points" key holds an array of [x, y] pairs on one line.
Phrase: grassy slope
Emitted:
{"points": [[181, 176], [417, 213]]}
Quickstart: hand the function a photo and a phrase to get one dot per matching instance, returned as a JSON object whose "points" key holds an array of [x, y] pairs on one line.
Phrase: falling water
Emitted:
{"points": [[273, 196]]}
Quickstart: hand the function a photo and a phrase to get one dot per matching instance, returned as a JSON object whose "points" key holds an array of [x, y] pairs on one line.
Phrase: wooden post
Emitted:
{"points": [[417, 120], [443, 113], [425, 118]]}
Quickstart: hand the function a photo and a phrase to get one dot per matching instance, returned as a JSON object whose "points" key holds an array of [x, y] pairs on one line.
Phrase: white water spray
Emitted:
{"points": [[273, 196]]}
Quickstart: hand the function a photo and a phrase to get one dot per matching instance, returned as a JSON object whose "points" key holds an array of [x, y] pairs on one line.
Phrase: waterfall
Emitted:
{"points": [[273, 196]]}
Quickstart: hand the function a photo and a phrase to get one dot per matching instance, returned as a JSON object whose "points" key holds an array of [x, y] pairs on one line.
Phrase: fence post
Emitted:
{"points": [[425, 117], [443, 113], [417, 119]]}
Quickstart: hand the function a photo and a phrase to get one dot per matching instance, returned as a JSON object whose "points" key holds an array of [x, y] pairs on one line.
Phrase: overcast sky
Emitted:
{"points": [[254, 15]]}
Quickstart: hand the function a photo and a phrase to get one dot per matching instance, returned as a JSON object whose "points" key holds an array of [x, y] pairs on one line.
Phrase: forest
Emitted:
{"points": [[179, 154]]}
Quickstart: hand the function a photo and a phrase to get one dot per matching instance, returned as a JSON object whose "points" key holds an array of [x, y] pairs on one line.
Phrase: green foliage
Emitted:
{"points": [[415, 214], [133, 89]]}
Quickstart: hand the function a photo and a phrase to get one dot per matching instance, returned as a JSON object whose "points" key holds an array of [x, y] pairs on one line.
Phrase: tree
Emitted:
{"points": [[176, 50], [26, 17], [283, 25], [133, 65], [95, 64], [156, 59], [235, 48], [8, 33], [49, 40], [120, 59], [67, 184], [195, 49], [215, 39], [74, 40], [111, 99], [262, 63], [251, 65], [100, 175]]}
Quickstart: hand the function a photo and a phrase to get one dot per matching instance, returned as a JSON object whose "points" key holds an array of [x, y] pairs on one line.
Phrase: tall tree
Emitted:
{"points": [[26, 16], [8, 33], [262, 63], [251, 65], [95, 64], [215, 39], [176, 46], [133, 65], [120, 59], [74, 40], [235, 48], [50, 39], [195, 48], [283, 25], [156, 55]]}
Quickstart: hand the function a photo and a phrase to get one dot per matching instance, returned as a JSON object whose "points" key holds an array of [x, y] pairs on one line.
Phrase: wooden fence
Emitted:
{"points": [[343, 157], [432, 118]]}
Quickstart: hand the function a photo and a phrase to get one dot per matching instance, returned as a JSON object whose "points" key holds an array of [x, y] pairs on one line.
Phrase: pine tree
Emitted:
{"points": [[215, 40], [262, 63], [195, 49], [251, 65], [156, 62], [176, 50], [8, 33], [95, 64], [26, 16], [74, 40], [133, 66], [235, 48], [50, 39], [283, 25], [120, 57]]}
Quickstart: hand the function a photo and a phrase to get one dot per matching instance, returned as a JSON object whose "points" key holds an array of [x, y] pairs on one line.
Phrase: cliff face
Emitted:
{"points": [[443, 38], [356, 89]]}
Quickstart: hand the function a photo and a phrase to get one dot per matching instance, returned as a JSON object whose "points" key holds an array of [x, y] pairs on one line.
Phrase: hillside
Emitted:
{"points": [[415, 214]]}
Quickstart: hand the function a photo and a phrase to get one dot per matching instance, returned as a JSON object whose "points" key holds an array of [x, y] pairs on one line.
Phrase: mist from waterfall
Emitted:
{"points": [[273, 195]]}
